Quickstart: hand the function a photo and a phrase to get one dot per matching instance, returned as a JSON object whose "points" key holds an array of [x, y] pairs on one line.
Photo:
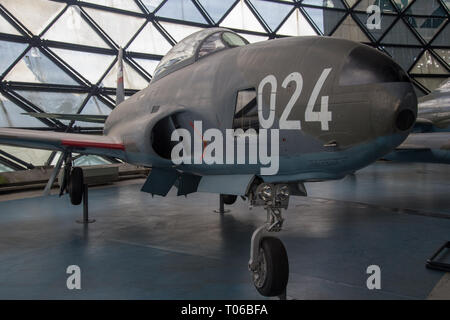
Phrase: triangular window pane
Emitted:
{"points": [[325, 3], [149, 40], [55, 102], [113, 98], [180, 10], [351, 3], [242, 18], [34, 156], [253, 38], [419, 91], [4, 168], [348, 29], [386, 21], [402, 4], [444, 54], [443, 37], [179, 31], [6, 27], [90, 65], [296, 25], [94, 107], [426, 27], [37, 68], [447, 3], [89, 160], [216, 9], [427, 8], [384, 5], [429, 83], [72, 28], [400, 34], [131, 78], [11, 115], [272, 13], [405, 57], [325, 20], [148, 65], [151, 5], [118, 4], [427, 64], [119, 27], [34, 16], [9, 51]]}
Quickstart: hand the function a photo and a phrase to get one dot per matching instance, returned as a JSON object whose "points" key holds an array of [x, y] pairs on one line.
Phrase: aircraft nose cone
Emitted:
{"points": [[393, 108], [365, 65], [392, 97]]}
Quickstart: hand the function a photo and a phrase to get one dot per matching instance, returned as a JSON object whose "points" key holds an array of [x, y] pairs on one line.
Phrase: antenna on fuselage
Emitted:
{"points": [[120, 91]]}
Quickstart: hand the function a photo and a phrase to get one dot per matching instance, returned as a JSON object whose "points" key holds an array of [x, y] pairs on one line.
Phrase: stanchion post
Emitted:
{"points": [[222, 209], [86, 219]]}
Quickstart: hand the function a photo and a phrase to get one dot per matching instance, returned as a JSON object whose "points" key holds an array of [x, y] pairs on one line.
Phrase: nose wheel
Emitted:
{"points": [[269, 264], [271, 270]]}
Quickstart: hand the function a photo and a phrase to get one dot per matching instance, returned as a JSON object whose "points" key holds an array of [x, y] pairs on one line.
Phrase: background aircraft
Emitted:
{"points": [[434, 110], [326, 107], [430, 140]]}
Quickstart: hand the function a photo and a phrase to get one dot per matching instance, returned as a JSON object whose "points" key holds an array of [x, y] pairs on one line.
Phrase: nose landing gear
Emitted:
{"points": [[269, 263]]}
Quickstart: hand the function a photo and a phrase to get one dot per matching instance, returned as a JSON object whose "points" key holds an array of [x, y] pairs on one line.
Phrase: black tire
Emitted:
{"points": [[76, 186], [277, 268], [229, 199]]}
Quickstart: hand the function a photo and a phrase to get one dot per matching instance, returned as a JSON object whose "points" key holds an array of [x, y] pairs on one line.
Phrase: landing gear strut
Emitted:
{"points": [[71, 180], [269, 263]]}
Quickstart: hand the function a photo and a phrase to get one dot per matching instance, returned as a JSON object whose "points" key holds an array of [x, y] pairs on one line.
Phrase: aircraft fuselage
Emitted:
{"points": [[338, 105]]}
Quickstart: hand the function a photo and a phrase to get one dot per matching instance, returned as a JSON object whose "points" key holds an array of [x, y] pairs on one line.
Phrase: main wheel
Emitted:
{"points": [[272, 274], [229, 199], [76, 186]]}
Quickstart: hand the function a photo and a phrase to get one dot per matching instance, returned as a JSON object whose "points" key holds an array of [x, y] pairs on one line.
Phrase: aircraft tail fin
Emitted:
{"points": [[120, 91]]}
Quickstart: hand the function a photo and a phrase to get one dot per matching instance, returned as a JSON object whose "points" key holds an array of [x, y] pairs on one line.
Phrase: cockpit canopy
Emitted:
{"points": [[196, 46]]}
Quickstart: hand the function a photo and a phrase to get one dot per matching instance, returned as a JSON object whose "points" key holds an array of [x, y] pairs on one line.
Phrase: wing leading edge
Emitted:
{"points": [[60, 141]]}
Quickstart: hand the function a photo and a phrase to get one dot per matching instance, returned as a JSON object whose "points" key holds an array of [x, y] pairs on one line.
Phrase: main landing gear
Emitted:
{"points": [[269, 263], [76, 186], [72, 182]]}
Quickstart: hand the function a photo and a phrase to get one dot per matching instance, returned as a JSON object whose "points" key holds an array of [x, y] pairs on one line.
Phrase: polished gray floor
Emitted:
{"points": [[390, 215]]}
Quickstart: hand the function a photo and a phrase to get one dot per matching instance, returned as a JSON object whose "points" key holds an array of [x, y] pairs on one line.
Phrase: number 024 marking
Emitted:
{"points": [[323, 116]]}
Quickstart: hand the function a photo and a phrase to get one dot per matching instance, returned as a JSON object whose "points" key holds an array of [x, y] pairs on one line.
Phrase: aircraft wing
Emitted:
{"points": [[426, 141], [60, 141]]}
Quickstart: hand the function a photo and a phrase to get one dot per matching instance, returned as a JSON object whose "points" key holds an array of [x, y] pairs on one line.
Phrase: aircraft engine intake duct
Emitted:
{"points": [[405, 120], [161, 136]]}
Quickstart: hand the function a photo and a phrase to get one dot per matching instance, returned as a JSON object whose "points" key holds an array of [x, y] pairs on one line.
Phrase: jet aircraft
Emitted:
{"points": [[430, 140], [434, 110], [253, 120]]}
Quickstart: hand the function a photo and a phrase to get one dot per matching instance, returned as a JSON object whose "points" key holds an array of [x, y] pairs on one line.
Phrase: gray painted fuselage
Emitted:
{"points": [[362, 128]]}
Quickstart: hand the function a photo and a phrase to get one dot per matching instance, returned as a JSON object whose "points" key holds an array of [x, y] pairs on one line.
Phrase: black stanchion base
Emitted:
{"points": [[221, 212], [86, 222], [436, 265]]}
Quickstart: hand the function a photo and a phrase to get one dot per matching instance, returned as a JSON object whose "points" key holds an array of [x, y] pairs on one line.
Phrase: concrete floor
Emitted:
{"points": [[391, 215]]}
